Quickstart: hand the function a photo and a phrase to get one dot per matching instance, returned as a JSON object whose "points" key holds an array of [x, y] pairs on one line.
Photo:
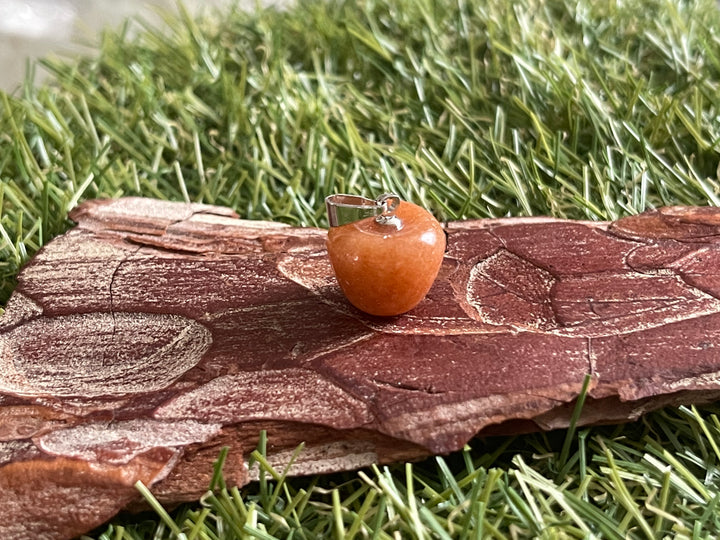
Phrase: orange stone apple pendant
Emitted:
{"points": [[385, 252]]}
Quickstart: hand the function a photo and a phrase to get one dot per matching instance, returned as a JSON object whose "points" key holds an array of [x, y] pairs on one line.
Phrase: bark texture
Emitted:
{"points": [[152, 334]]}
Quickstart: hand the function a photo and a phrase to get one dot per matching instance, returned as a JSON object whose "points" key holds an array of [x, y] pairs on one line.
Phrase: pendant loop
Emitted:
{"points": [[389, 202], [343, 209]]}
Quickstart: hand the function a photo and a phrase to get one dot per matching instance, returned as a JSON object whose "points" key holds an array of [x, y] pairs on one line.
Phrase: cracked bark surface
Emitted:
{"points": [[152, 334]]}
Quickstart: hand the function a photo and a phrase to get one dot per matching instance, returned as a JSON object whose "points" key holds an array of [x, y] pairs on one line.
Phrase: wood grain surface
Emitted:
{"points": [[152, 334]]}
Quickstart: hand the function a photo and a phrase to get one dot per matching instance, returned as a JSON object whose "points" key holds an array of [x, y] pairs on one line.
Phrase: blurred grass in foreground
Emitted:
{"points": [[653, 479], [586, 109]]}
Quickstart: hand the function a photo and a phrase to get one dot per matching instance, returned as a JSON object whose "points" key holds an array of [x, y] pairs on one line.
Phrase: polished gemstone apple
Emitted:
{"points": [[387, 268]]}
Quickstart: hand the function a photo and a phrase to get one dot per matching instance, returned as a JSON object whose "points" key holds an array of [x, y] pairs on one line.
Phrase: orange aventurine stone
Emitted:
{"points": [[383, 270]]}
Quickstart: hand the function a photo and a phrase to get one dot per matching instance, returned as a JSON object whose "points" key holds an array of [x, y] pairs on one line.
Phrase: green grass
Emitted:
{"points": [[594, 109], [590, 109], [652, 479]]}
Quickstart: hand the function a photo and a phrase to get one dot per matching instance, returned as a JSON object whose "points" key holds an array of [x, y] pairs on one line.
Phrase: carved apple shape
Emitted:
{"points": [[387, 268]]}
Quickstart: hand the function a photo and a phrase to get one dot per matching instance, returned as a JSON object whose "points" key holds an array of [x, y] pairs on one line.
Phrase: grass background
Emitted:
{"points": [[584, 109]]}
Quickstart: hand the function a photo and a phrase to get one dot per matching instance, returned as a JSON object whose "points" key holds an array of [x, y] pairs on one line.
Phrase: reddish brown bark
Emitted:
{"points": [[154, 333]]}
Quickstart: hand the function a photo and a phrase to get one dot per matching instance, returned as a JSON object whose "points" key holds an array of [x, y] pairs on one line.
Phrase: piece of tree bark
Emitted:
{"points": [[152, 334]]}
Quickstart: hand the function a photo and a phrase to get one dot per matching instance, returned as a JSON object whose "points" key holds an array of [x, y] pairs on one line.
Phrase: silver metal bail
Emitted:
{"points": [[389, 202], [343, 209]]}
